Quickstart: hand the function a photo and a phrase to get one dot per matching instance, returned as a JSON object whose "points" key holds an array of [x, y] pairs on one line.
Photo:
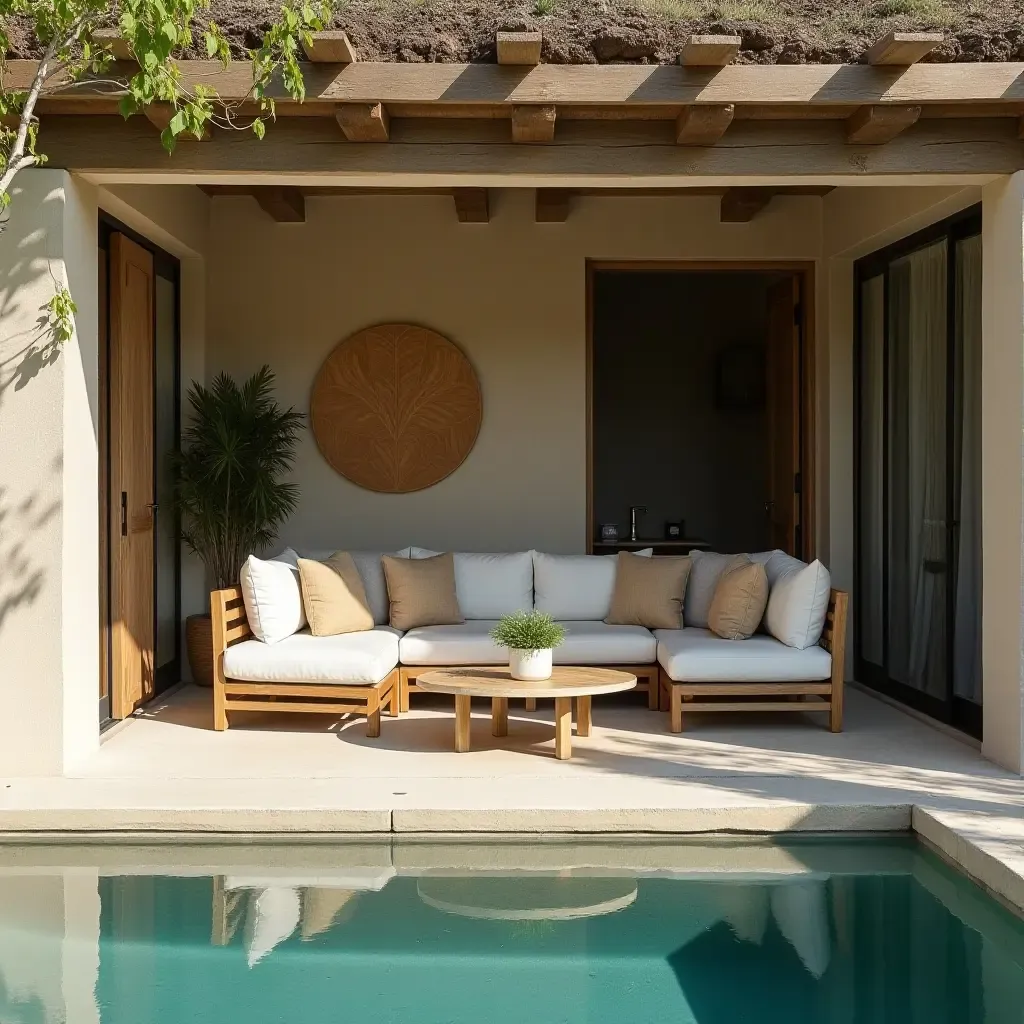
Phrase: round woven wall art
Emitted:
{"points": [[396, 408]]}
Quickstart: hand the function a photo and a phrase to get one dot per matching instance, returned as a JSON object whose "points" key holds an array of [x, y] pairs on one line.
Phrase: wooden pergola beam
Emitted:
{"points": [[876, 125], [461, 86], [283, 203], [364, 122], [160, 114], [902, 48], [552, 205], [330, 47], [709, 51], [533, 123], [740, 205], [704, 125], [518, 48], [471, 205]]}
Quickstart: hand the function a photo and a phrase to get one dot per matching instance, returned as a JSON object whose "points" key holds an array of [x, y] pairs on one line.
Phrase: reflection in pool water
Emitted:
{"points": [[416, 932]]}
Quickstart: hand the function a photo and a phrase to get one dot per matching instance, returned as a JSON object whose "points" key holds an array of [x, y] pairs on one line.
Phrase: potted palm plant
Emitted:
{"points": [[229, 490], [530, 638]]}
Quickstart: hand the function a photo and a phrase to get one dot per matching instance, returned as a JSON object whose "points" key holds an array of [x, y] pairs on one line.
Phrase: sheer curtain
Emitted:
{"points": [[917, 469], [967, 472]]}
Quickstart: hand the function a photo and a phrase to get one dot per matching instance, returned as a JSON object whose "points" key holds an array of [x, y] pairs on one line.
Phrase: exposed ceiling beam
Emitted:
{"points": [[878, 124], [364, 122], [111, 39], [740, 205], [519, 48], [552, 205], [471, 205], [533, 124], [703, 125], [284, 203], [902, 48], [709, 51], [330, 47]]}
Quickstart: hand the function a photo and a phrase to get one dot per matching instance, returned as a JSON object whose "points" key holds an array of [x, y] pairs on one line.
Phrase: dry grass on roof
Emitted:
{"points": [[642, 31]]}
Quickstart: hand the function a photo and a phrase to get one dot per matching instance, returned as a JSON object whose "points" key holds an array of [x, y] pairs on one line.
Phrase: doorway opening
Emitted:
{"points": [[917, 567], [699, 383], [140, 561]]}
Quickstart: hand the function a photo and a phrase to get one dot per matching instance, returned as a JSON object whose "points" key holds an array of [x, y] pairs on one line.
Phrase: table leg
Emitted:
{"points": [[563, 728], [583, 719], [499, 716], [462, 707], [531, 703]]}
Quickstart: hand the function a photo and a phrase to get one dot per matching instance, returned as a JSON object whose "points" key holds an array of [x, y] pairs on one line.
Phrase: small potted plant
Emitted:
{"points": [[530, 638], [228, 487]]}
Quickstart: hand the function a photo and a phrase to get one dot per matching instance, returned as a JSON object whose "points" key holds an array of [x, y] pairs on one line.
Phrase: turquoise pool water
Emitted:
{"points": [[835, 932]]}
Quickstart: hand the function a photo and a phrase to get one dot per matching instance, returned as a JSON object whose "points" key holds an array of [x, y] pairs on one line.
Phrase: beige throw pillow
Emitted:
{"points": [[741, 596], [422, 591], [649, 591], [333, 595]]}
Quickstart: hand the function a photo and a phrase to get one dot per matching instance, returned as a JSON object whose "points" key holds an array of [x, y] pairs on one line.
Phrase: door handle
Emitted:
{"points": [[124, 513], [153, 507]]}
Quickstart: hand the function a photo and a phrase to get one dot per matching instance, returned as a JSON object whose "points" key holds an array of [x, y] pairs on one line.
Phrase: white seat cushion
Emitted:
{"points": [[599, 643], [467, 643], [698, 656], [490, 585], [272, 596], [353, 659], [586, 643], [575, 588], [371, 571]]}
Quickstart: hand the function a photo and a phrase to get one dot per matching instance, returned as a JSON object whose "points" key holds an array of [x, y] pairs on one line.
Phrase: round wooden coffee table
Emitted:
{"points": [[566, 682]]}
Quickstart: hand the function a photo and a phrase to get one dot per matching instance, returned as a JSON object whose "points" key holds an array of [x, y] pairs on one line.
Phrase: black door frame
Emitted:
{"points": [[169, 268], [953, 710]]}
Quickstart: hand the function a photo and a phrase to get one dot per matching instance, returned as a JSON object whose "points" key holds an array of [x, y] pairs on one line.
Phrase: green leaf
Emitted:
{"points": [[259, 129]]}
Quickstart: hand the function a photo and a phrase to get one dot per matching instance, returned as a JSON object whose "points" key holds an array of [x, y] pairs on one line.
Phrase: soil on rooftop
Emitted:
{"points": [[640, 31]]}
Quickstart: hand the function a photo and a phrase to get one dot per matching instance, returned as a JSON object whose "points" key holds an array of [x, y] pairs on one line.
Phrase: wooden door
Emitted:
{"points": [[783, 373], [131, 475]]}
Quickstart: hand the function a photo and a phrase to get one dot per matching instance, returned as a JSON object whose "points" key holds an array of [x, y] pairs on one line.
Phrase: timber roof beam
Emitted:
{"points": [[471, 205], [330, 47], [709, 51], [740, 205], [704, 125], [901, 49], [876, 125], [364, 122], [533, 123], [552, 205], [520, 49]]}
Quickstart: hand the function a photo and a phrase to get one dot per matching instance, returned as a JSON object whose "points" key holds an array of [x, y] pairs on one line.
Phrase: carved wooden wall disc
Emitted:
{"points": [[396, 408]]}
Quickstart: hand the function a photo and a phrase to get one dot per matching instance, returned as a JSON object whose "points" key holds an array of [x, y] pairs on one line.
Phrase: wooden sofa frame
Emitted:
{"points": [[826, 695], [647, 680], [230, 626]]}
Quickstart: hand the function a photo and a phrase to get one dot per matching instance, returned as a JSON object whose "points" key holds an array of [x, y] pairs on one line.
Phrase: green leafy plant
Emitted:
{"points": [[228, 486], [528, 631]]}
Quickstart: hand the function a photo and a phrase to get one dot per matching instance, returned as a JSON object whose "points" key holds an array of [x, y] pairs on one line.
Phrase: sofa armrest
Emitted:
{"points": [[230, 625], [833, 636]]}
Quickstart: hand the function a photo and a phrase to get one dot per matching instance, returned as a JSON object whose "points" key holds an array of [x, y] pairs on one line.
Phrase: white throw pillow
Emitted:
{"points": [[798, 600], [371, 572], [575, 588], [707, 567], [273, 596], [490, 585]]}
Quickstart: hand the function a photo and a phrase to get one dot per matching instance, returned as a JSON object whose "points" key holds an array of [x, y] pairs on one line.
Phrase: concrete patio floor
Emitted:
{"points": [[167, 771]]}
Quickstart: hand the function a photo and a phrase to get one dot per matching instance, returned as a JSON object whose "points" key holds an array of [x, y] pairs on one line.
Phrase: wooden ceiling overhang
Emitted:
{"points": [[700, 121]]}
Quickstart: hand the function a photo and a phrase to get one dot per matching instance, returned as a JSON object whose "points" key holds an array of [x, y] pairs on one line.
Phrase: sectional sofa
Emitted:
{"points": [[370, 671]]}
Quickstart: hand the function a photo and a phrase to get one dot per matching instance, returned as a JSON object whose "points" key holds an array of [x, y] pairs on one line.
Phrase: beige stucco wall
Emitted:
{"points": [[511, 293]]}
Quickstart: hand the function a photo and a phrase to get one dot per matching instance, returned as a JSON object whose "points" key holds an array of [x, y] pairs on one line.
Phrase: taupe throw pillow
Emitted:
{"points": [[741, 596], [422, 591], [649, 591], [333, 595]]}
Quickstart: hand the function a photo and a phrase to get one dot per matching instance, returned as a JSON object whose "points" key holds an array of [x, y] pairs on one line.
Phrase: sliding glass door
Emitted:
{"points": [[918, 382]]}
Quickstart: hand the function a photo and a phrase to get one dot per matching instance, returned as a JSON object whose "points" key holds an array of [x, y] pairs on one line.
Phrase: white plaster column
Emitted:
{"points": [[1003, 471], [49, 572]]}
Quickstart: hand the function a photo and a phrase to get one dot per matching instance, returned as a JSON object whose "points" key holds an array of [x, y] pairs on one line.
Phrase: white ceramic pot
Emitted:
{"points": [[529, 664]]}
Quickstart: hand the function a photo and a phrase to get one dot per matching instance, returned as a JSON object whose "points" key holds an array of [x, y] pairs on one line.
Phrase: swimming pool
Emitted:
{"points": [[502, 930]]}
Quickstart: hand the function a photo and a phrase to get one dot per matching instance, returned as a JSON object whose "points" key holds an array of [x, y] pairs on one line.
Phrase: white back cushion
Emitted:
{"points": [[575, 587], [797, 601], [273, 596], [707, 567], [490, 585], [371, 571]]}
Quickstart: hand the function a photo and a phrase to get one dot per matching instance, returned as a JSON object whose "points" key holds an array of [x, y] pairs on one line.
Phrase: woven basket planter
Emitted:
{"points": [[199, 645]]}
